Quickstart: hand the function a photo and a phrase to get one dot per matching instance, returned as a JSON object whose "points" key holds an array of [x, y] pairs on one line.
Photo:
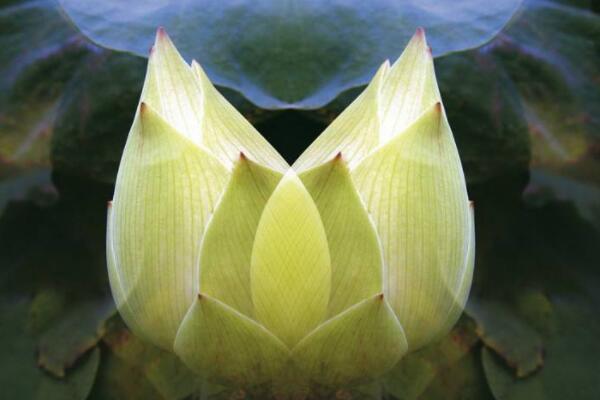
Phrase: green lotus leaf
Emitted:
{"points": [[298, 54]]}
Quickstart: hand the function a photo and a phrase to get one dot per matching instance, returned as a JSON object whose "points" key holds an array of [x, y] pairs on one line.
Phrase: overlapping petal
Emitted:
{"points": [[356, 258], [225, 346], [166, 188], [290, 268], [229, 238], [359, 344], [415, 190], [252, 272]]}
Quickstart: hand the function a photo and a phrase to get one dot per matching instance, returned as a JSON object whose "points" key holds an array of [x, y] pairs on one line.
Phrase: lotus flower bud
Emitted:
{"points": [[255, 273]]}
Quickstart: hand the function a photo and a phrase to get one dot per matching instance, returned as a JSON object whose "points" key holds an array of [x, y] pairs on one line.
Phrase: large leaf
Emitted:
{"points": [[291, 54], [19, 375], [74, 333], [571, 357]]}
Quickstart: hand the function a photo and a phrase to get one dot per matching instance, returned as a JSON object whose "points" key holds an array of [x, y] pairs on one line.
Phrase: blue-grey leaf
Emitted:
{"points": [[294, 53]]}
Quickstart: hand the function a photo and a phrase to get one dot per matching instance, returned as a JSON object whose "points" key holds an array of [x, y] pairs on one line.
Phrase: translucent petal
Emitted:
{"points": [[459, 286], [227, 133], [227, 244], [171, 89], [410, 88], [363, 342], [415, 190], [355, 132], [356, 257], [223, 345], [166, 188], [290, 268]]}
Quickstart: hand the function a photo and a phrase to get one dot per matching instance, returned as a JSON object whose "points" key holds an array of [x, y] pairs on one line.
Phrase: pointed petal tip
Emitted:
{"points": [[200, 297], [109, 204], [471, 204], [420, 32], [161, 32], [438, 107], [143, 108], [338, 156], [380, 297], [243, 156]]}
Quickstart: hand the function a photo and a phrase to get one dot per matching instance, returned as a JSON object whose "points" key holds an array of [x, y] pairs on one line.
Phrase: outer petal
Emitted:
{"points": [[356, 257], [415, 189], [171, 89], [355, 132], [165, 190], [223, 345], [410, 88], [227, 244], [362, 343], [458, 289], [227, 133], [290, 268]]}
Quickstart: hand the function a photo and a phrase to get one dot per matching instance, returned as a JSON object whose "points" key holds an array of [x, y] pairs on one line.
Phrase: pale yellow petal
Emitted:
{"points": [[415, 190], [171, 89], [227, 133], [459, 286], [356, 258], [227, 244], [410, 88], [225, 346], [354, 133], [165, 190], [290, 268], [360, 344]]}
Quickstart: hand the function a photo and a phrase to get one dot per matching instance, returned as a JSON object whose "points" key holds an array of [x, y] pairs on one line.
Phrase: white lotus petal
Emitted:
{"points": [[171, 89], [227, 133], [415, 190], [227, 244], [356, 257], [354, 133], [165, 190], [410, 88], [290, 269]]}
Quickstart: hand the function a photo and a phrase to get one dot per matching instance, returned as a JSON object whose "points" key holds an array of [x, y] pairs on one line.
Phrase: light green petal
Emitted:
{"points": [[360, 344], [290, 268], [355, 132], [223, 345], [415, 190], [166, 188], [356, 258], [227, 244], [171, 89], [227, 133], [458, 289], [410, 88]]}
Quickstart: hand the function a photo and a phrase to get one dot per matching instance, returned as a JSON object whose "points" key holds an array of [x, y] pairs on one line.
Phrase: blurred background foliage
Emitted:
{"points": [[525, 111]]}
